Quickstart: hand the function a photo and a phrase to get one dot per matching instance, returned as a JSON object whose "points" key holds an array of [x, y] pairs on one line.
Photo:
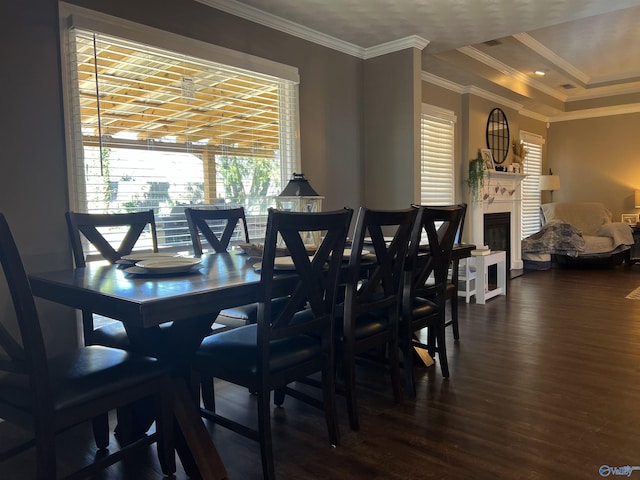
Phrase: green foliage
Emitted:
{"points": [[476, 177], [239, 172]]}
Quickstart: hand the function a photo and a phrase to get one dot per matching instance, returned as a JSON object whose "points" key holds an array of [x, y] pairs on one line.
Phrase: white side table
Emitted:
{"points": [[467, 278], [483, 262]]}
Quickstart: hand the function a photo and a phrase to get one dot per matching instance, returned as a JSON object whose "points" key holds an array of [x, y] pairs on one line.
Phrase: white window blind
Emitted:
{"points": [[532, 167], [156, 129], [437, 157]]}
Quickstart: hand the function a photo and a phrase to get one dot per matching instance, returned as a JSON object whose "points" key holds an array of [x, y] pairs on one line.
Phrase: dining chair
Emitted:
{"points": [[217, 226], [95, 228], [424, 288], [369, 317], [293, 343], [452, 284], [49, 395]]}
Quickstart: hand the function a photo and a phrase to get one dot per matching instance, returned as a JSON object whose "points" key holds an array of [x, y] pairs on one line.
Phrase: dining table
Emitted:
{"points": [[190, 300]]}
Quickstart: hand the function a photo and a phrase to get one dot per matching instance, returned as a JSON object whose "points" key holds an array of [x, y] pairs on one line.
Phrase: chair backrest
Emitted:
{"points": [[381, 288], [224, 221], [463, 215], [89, 224], [315, 281], [27, 354], [441, 225]]}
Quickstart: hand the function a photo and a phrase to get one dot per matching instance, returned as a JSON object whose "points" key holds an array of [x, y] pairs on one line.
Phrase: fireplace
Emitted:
{"points": [[497, 236], [499, 205], [497, 233]]}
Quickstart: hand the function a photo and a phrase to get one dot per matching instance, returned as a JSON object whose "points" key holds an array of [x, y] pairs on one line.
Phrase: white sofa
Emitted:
{"points": [[578, 232]]}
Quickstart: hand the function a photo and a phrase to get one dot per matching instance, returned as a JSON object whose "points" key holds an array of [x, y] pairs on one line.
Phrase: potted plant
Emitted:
{"points": [[476, 177]]}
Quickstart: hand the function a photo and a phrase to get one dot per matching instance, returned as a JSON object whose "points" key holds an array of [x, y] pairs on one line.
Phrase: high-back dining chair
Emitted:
{"points": [[206, 220], [371, 306], [49, 395], [425, 284], [452, 285], [94, 227], [292, 343]]}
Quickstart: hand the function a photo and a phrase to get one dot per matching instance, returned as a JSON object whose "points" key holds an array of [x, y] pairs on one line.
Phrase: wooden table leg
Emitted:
{"points": [[197, 452]]}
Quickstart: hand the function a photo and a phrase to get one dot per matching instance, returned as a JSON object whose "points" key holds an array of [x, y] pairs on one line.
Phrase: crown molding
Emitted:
{"points": [[441, 82], [493, 97], [510, 72], [278, 23], [551, 56], [413, 41], [596, 112]]}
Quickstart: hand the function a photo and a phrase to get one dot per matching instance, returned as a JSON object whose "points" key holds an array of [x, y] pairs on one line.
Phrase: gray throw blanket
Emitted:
{"points": [[555, 237]]}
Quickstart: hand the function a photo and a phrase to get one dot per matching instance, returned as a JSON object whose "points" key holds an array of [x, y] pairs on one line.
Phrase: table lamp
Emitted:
{"points": [[549, 183], [299, 196]]}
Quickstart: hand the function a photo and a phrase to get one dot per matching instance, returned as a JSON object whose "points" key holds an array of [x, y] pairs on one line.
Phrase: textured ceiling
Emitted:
{"points": [[592, 46]]}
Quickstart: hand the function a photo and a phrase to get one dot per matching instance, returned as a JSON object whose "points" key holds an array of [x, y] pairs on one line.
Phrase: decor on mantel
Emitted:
{"points": [[476, 177], [519, 152]]}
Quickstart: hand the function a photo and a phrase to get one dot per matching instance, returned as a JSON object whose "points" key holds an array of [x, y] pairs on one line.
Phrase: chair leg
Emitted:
{"points": [[278, 396], [407, 362], [264, 433], [442, 349], [454, 317], [45, 454], [101, 430], [329, 402], [208, 393], [394, 364], [349, 365]]}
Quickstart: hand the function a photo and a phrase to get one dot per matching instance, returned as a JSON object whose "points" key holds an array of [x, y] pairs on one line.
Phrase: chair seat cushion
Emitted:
{"points": [[235, 352], [114, 335], [367, 325], [423, 308], [111, 335], [249, 313], [84, 375]]}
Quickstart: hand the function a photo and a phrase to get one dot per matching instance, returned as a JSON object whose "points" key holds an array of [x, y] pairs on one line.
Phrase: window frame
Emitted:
{"points": [[531, 198], [443, 119], [78, 17]]}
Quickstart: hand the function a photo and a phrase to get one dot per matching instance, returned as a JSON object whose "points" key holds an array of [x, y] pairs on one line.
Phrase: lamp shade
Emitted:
{"points": [[636, 202], [549, 182]]}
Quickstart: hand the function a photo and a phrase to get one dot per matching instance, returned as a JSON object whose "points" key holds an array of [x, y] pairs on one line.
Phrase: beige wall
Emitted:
{"points": [[597, 160], [392, 129]]}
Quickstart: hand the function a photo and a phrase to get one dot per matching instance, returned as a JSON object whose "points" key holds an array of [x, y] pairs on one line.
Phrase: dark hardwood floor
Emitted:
{"points": [[544, 385]]}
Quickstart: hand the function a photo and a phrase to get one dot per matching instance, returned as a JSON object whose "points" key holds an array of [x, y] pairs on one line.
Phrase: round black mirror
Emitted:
{"points": [[498, 135]]}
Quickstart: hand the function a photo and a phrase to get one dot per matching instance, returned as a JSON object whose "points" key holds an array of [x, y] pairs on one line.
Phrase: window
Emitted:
{"points": [[154, 128], [532, 167], [436, 166]]}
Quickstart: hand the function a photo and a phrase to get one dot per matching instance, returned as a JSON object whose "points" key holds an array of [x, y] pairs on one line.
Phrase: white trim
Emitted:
{"points": [[278, 23], [74, 16], [439, 113], [413, 41], [510, 72], [571, 69], [442, 82], [597, 112], [550, 55], [286, 26], [531, 137], [479, 92]]}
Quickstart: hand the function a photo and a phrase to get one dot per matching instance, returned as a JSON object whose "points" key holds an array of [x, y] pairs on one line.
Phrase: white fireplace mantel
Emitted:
{"points": [[501, 192]]}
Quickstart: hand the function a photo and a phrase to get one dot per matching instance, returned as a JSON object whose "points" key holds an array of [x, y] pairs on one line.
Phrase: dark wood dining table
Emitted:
{"points": [[191, 301]]}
